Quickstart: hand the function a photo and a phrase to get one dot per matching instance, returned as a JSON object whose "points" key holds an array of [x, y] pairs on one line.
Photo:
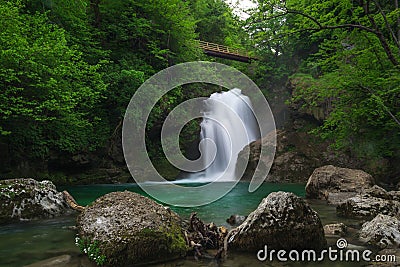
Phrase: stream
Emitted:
{"points": [[28, 242]]}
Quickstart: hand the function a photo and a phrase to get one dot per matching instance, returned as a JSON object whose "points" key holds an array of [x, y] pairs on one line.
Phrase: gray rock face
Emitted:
{"points": [[281, 221], [335, 184], [27, 199], [366, 207], [370, 203], [383, 232], [294, 161], [130, 229]]}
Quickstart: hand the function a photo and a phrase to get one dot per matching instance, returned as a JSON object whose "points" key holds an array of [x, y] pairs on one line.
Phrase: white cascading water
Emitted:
{"points": [[224, 115]]}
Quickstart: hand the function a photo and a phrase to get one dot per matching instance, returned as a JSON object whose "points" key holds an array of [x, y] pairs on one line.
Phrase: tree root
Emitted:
{"points": [[71, 202], [201, 236]]}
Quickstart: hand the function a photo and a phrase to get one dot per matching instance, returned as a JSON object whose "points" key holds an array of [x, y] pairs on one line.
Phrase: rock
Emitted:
{"points": [[129, 229], [383, 232], [336, 198], [27, 199], [295, 158], [236, 219], [378, 192], [253, 153], [341, 182], [394, 195], [59, 261], [339, 229], [367, 205], [291, 167], [281, 221]]}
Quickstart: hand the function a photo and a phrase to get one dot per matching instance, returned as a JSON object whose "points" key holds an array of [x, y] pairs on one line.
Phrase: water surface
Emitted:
{"points": [[29, 242]]}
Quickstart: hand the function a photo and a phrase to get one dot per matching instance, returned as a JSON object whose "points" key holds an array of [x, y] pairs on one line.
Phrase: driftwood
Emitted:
{"points": [[201, 237], [71, 202]]}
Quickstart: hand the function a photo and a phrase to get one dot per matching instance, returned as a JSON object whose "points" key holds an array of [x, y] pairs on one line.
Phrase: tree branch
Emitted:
{"points": [[383, 104], [387, 24], [375, 30], [306, 16]]}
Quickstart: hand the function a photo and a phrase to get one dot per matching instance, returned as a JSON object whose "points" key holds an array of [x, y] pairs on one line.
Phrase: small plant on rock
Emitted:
{"points": [[91, 249]]}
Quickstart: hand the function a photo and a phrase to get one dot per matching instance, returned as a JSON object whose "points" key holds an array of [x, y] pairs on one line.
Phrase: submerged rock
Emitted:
{"points": [[58, 261], [383, 232], [336, 184], [281, 221], [27, 199], [236, 219], [339, 229], [129, 229]]}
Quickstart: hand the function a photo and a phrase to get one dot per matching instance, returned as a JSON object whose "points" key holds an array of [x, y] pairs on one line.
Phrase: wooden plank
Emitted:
{"points": [[228, 56], [222, 51]]}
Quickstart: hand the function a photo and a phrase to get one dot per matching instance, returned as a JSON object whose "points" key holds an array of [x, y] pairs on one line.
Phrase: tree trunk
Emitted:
{"points": [[96, 12], [396, 6], [379, 34]]}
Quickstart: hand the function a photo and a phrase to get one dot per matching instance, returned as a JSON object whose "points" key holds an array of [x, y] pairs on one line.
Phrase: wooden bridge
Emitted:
{"points": [[221, 51]]}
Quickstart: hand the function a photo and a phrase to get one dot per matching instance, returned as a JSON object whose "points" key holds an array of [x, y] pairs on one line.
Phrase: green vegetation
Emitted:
{"points": [[172, 238], [342, 60], [91, 249], [69, 68]]}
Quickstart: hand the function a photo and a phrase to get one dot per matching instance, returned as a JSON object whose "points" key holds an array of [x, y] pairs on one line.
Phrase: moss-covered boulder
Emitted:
{"points": [[28, 199], [129, 229]]}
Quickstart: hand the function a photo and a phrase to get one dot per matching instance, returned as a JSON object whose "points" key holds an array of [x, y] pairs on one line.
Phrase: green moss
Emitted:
{"points": [[175, 237], [172, 237], [147, 232]]}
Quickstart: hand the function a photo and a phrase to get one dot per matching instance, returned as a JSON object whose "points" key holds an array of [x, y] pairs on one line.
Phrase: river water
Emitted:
{"points": [[28, 242]]}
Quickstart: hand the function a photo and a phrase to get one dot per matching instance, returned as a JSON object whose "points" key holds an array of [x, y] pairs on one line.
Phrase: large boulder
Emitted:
{"points": [[27, 199], [336, 184], [130, 229], [370, 203], [383, 232], [281, 221]]}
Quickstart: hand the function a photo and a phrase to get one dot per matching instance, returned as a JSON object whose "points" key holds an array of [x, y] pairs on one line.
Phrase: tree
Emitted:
{"points": [[349, 58], [48, 91]]}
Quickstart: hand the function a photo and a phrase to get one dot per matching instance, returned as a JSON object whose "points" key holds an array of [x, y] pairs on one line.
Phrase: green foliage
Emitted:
{"points": [[348, 56], [161, 32], [68, 70], [48, 91], [91, 249]]}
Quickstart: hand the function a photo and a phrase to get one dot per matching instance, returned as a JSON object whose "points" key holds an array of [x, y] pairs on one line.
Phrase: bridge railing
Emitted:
{"points": [[222, 49]]}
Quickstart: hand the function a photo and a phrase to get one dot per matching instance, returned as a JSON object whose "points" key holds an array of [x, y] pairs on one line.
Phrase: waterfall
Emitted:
{"points": [[229, 122]]}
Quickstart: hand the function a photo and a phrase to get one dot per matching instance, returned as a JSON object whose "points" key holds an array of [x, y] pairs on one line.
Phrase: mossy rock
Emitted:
{"points": [[131, 230]]}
